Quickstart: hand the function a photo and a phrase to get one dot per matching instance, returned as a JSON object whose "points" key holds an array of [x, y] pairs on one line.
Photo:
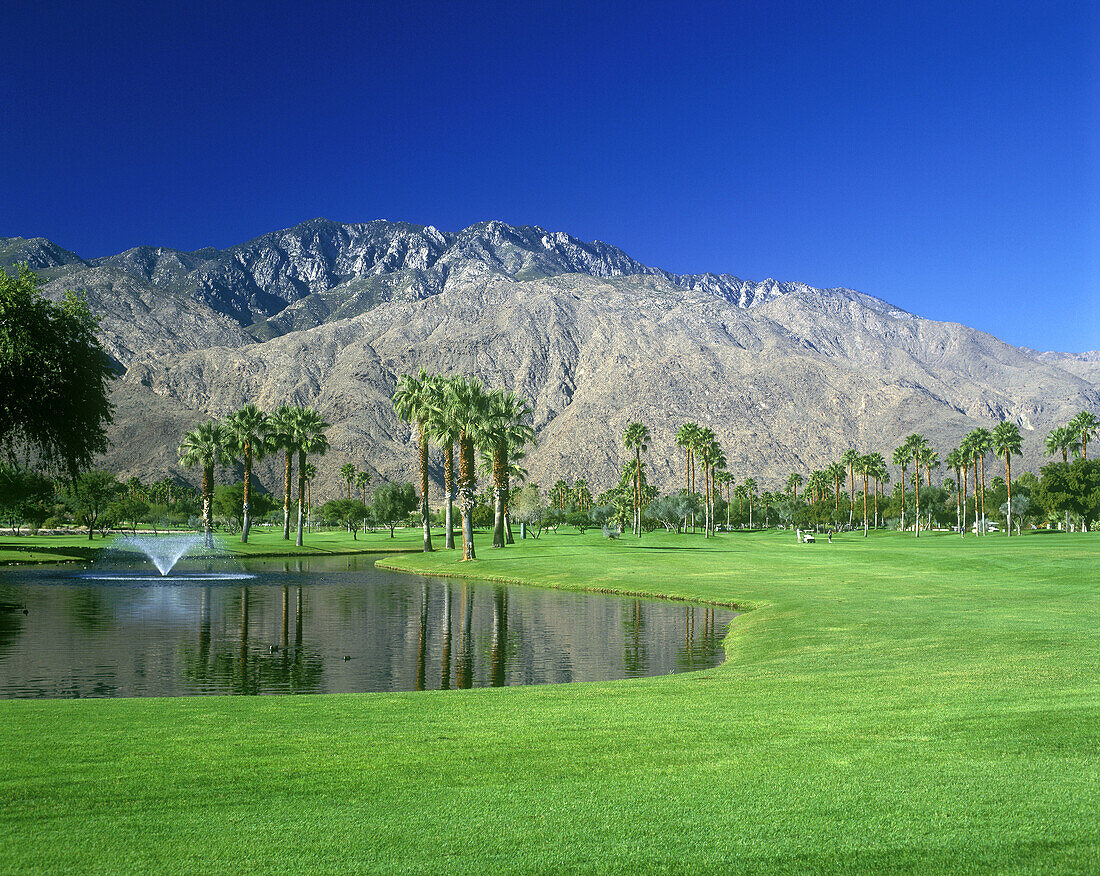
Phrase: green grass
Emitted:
{"points": [[76, 547], [890, 705]]}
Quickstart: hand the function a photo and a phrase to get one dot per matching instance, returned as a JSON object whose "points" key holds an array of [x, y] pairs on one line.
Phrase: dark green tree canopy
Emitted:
{"points": [[53, 378]]}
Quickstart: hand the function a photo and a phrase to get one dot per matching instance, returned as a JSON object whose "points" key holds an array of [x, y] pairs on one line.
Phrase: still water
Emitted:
{"points": [[324, 625]]}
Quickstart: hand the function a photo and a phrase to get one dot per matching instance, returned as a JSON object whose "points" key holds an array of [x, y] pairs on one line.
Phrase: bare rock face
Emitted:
{"points": [[330, 315]]}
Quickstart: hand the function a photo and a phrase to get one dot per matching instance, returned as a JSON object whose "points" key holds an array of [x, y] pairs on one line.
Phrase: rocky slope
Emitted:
{"points": [[330, 315]]}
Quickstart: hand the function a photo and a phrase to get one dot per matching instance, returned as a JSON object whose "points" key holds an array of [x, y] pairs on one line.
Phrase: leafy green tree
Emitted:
{"points": [[1007, 443], [392, 503], [248, 430], [349, 513], [53, 377], [229, 503], [1073, 488], [25, 495], [205, 446], [92, 493]]}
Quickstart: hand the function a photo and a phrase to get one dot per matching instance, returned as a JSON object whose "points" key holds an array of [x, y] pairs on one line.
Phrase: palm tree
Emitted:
{"points": [[850, 458], [1007, 442], [793, 483], [308, 438], [636, 438], [712, 458], [902, 456], [863, 467], [206, 445], [702, 438], [876, 468], [347, 472], [444, 432], [466, 406], [412, 403], [506, 432], [918, 446], [925, 456], [1063, 439], [687, 438], [362, 481], [1086, 425], [281, 437], [836, 472], [981, 443], [750, 494], [248, 430], [309, 472], [956, 461]]}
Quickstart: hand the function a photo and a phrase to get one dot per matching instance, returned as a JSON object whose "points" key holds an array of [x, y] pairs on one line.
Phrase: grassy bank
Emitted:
{"points": [[15, 550], [889, 705]]}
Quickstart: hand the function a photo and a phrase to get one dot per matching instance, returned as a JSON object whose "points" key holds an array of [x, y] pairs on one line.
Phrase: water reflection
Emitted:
{"points": [[354, 629]]}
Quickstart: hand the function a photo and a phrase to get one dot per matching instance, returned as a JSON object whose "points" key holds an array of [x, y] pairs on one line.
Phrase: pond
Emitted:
{"points": [[324, 625]]}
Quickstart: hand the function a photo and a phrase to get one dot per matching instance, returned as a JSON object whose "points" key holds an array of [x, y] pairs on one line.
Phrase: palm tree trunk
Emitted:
{"points": [[851, 493], [247, 524], [301, 494], [207, 507], [916, 512], [981, 462], [965, 474], [865, 488], [638, 491], [500, 467], [286, 496], [1008, 486], [466, 495], [449, 484], [424, 519], [876, 502]]}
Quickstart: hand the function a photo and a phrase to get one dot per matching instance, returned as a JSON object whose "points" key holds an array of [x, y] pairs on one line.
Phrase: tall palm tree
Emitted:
{"points": [[1008, 442], [412, 403], [687, 437], [902, 457], [876, 468], [702, 438], [850, 458], [247, 431], [1063, 439], [362, 481], [347, 472], [281, 437], [309, 438], [750, 494], [636, 438], [836, 472], [863, 467], [444, 432], [506, 432], [793, 483], [712, 457], [956, 461], [309, 472], [981, 443], [207, 446], [930, 459], [1086, 425], [918, 446], [466, 407]]}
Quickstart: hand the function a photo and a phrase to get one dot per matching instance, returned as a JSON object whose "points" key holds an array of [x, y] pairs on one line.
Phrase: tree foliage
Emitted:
{"points": [[53, 377]]}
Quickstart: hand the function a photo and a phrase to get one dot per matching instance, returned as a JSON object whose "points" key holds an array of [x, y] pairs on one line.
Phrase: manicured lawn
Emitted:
{"points": [[890, 705]]}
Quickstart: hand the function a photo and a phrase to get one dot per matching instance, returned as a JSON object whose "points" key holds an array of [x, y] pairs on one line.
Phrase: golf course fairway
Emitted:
{"points": [[888, 704]]}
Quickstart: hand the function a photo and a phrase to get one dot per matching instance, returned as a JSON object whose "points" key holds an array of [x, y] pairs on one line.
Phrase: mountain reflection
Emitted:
{"points": [[354, 629]]}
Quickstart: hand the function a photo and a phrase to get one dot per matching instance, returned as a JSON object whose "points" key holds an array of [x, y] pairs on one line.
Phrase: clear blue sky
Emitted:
{"points": [[943, 156]]}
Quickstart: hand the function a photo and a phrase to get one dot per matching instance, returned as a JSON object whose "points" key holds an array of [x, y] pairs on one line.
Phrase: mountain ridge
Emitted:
{"points": [[329, 314]]}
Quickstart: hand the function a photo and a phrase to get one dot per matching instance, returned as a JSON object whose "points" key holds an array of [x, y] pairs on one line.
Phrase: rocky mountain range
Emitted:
{"points": [[330, 315]]}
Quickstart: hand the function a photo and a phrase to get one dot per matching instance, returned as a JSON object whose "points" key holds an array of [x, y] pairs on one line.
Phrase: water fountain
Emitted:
{"points": [[164, 551]]}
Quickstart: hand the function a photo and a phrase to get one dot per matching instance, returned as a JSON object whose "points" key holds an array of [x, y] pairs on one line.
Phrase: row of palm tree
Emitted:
{"points": [[248, 435], [450, 411]]}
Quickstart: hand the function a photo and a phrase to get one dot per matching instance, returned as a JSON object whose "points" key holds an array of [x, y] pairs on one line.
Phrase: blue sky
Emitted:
{"points": [[943, 156]]}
